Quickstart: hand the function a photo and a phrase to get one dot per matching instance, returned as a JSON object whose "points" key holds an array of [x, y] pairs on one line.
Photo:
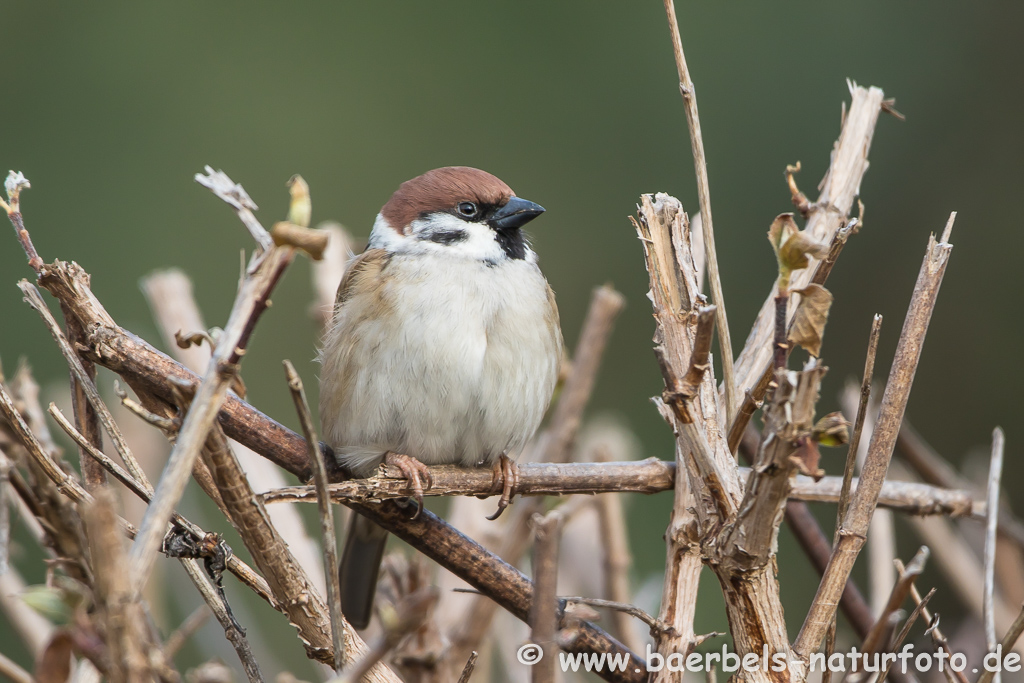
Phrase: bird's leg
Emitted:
{"points": [[505, 476], [415, 473]]}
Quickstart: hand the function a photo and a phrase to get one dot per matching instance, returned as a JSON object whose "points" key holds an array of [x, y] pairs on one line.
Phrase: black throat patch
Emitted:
{"points": [[512, 242]]}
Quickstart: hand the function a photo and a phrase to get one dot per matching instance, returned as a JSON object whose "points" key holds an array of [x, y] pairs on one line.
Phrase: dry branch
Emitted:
{"points": [[883, 439], [330, 548]]}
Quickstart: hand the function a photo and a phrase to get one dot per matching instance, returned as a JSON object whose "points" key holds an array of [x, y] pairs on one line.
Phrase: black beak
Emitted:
{"points": [[515, 214]]}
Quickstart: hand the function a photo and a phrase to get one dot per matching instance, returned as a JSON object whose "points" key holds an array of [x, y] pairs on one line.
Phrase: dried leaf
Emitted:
{"points": [[808, 327], [792, 246], [831, 430], [806, 458], [54, 663]]}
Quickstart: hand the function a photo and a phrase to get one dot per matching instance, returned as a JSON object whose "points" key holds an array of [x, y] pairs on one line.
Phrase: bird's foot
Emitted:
{"points": [[415, 473], [505, 477]]}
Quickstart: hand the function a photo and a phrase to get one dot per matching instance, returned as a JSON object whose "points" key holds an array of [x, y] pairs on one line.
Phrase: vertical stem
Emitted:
{"points": [[995, 471], [704, 195]]}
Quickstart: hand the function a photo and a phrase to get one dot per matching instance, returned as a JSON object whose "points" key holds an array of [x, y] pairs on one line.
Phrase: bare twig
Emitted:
{"points": [[193, 622], [543, 617], [236, 566], [85, 383], [874, 641], [235, 196], [398, 621], [933, 630], [905, 631], [330, 547], [858, 424], [467, 670], [1009, 642], [700, 165], [654, 624], [14, 184], [995, 472], [643, 476], [13, 672], [894, 402]]}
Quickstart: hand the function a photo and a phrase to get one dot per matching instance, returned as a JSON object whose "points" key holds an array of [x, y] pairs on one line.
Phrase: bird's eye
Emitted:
{"points": [[468, 209]]}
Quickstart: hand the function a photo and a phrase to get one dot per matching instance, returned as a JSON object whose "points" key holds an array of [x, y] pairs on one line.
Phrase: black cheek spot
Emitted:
{"points": [[447, 236]]}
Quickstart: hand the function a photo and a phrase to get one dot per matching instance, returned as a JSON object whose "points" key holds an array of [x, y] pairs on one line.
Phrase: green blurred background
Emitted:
{"points": [[110, 108]]}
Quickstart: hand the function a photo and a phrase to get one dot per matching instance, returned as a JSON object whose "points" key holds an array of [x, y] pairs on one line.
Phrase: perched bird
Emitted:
{"points": [[444, 347]]}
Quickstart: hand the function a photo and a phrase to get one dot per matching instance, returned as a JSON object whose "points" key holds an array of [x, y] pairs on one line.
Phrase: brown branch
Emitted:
{"points": [[617, 558], [883, 439], [543, 616], [933, 624], [700, 165], [467, 670], [644, 476], [605, 306], [330, 547]]}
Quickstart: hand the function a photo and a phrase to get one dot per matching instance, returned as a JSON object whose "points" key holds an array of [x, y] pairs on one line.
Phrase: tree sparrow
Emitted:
{"points": [[443, 349]]}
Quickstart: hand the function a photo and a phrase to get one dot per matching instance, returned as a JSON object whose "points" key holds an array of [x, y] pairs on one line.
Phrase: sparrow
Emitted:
{"points": [[443, 348]]}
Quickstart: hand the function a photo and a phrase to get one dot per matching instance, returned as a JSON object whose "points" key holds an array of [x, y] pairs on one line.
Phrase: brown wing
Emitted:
{"points": [[366, 266]]}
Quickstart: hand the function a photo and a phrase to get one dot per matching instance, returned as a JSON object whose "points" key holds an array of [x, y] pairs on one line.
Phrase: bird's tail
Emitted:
{"points": [[360, 564]]}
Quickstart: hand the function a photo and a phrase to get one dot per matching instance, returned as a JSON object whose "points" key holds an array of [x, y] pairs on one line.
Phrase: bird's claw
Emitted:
{"points": [[505, 477], [415, 473]]}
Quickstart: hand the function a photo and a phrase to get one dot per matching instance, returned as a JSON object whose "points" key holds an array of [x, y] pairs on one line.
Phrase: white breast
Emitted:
{"points": [[449, 360]]}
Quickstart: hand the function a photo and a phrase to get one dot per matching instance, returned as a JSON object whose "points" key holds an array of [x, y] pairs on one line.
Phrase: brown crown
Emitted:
{"points": [[441, 190]]}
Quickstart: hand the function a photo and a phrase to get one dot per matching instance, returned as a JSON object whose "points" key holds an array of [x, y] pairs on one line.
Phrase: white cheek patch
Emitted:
{"points": [[441, 234]]}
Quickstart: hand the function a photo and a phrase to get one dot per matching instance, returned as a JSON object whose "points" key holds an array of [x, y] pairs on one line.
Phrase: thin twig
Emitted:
{"points": [[330, 547], [193, 622], [995, 472], [14, 184], [883, 439], [700, 165], [652, 622], [35, 300], [467, 670], [13, 672], [933, 630], [851, 459], [238, 199], [858, 424], [875, 641], [236, 566], [1009, 641]]}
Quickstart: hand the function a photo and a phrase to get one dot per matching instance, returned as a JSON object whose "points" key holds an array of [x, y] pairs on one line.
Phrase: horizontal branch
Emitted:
{"points": [[643, 476]]}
